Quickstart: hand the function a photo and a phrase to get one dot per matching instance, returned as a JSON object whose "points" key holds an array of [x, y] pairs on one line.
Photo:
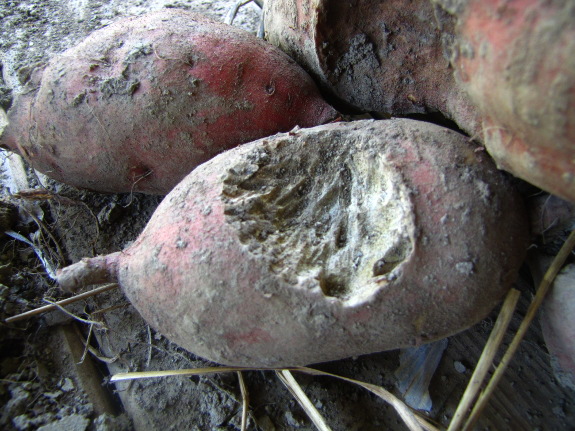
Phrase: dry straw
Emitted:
{"points": [[466, 413]]}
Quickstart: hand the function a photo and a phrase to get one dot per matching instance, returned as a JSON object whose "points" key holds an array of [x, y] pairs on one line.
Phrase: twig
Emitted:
{"points": [[136, 181], [486, 360], [44, 228], [529, 316], [66, 301], [149, 358]]}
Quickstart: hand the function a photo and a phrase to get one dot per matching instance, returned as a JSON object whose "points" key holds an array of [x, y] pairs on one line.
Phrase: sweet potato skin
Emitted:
{"points": [[516, 61], [503, 70], [558, 326], [140, 103], [391, 57], [236, 263]]}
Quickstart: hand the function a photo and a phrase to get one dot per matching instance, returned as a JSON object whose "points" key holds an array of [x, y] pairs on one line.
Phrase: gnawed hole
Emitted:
{"points": [[337, 213]]}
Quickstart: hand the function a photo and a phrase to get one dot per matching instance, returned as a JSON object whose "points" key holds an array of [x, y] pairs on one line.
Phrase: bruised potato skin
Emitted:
{"points": [[140, 103], [324, 243]]}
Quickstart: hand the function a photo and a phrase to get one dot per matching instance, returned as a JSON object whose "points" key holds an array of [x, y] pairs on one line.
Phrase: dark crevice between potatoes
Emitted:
{"points": [[335, 213]]}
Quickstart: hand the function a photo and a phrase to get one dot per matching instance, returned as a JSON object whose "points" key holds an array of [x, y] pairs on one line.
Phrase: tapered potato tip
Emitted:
{"points": [[94, 270]]}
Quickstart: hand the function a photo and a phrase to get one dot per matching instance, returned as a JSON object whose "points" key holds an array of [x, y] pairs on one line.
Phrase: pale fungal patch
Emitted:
{"points": [[333, 215]]}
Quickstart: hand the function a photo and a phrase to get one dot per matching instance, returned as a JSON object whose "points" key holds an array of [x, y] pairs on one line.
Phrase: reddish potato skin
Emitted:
{"points": [[503, 70], [193, 275], [516, 61], [140, 103]]}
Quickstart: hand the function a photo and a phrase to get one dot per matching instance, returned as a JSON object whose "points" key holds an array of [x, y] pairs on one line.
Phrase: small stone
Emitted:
{"points": [[109, 213], [265, 423], [292, 420], [69, 423], [459, 367], [106, 422], [67, 385], [18, 402], [21, 422], [53, 395]]}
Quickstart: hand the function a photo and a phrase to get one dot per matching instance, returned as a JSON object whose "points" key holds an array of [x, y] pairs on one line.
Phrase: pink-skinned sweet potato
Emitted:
{"points": [[516, 61], [503, 70], [324, 243], [138, 104]]}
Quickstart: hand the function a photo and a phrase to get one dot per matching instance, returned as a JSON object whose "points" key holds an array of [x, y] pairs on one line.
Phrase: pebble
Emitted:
{"points": [[73, 422], [292, 420], [67, 385], [459, 367]]}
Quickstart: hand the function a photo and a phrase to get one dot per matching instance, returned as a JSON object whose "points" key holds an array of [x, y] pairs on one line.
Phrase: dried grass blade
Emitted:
{"points": [[170, 373], [529, 316], [486, 359], [413, 421], [288, 380], [245, 401]]}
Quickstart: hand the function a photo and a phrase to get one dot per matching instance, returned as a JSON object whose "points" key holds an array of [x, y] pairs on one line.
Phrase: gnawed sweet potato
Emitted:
{"points": [[140, 103], [324, 243]]}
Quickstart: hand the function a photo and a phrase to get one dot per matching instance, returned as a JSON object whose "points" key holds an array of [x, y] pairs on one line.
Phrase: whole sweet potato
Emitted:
{"points": [[503, 70], [324, 243], [138, 104]]}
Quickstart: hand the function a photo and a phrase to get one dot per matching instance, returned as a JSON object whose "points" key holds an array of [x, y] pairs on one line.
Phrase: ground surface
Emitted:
{"points": [[48, 382]]}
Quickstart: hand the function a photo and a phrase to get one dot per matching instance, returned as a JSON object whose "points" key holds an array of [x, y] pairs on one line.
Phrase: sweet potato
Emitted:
{"points": [[323, 243], [557, 316], [558, 326], [503, 70], [391, 57], [140, 103], [516, 61]]}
